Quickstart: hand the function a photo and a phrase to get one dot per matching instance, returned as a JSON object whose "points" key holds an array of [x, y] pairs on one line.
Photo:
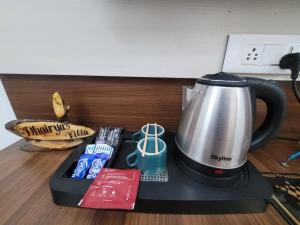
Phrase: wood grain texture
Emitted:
{"points": [[99, 101], [26, 198], [125, 102]]}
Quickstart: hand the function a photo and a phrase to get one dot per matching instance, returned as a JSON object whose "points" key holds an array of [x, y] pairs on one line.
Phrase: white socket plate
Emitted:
{"points": [[258, 53]]}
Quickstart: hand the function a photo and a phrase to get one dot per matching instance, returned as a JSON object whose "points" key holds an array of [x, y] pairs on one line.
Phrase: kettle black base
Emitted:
{"points": [[211, 176]]}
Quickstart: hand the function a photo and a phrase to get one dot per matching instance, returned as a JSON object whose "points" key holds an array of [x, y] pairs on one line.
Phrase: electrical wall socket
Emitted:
{"points": [[252, 54], [258, 54]]}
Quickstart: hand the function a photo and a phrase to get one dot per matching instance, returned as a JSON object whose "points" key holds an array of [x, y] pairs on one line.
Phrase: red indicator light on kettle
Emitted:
{"points": [[218, 172]]}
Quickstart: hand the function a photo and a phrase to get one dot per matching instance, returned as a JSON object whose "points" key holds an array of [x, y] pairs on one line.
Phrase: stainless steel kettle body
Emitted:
{"points": [[216, 128]]}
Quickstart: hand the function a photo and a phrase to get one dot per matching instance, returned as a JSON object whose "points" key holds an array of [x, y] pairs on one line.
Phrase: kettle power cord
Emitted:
{"points": [[291, 61]]}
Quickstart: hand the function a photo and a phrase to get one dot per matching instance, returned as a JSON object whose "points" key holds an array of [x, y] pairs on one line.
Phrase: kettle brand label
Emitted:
{"points": [[220, 158]]}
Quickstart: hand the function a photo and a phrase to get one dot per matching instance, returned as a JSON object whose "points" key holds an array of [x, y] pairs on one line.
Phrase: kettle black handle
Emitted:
{"points": [[274, 97]]}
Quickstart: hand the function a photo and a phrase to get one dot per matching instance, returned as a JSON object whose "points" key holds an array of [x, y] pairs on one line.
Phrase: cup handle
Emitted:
{"points": [[134, 163], [135, 135]]}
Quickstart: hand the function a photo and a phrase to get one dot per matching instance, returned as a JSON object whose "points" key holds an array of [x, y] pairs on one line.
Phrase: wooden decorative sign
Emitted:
{"points": [[43, 135], [41, 146], [60, 109], [48, 130]]}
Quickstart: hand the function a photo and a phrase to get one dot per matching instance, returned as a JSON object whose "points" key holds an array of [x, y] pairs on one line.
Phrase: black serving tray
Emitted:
{"points": [[68, 191], [181, 194]]}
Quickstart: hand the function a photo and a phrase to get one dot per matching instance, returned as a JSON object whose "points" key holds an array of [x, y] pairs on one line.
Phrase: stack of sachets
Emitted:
{"points": [[109, 136], [92, 161], [95, 156]]}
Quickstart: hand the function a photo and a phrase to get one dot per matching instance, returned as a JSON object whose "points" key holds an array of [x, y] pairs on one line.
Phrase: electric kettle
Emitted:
{"points": [[217, 124]]}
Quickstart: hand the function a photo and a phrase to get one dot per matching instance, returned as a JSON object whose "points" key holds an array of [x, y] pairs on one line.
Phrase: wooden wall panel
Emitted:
{"points": [[126, 102], [99, 101]]}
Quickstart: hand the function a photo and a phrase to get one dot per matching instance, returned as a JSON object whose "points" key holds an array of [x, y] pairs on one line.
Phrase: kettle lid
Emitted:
{"points": [[223, 79]]}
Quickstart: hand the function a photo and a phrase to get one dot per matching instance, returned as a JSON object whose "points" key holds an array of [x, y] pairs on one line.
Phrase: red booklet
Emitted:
{"points": [[112, 189]]}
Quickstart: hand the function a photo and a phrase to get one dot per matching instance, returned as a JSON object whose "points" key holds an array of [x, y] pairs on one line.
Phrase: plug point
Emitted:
{"points": [[291, 61]]}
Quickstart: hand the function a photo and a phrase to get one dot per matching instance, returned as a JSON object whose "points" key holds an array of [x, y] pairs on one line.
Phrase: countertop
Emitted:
{"points": [[26, 198]]}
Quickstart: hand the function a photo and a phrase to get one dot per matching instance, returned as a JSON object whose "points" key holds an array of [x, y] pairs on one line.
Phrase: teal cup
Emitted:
{"points": [[151, 132], [151, 163]]}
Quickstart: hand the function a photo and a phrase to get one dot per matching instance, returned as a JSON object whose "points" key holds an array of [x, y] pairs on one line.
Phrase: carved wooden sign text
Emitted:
{"points": [[48, 130]]}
